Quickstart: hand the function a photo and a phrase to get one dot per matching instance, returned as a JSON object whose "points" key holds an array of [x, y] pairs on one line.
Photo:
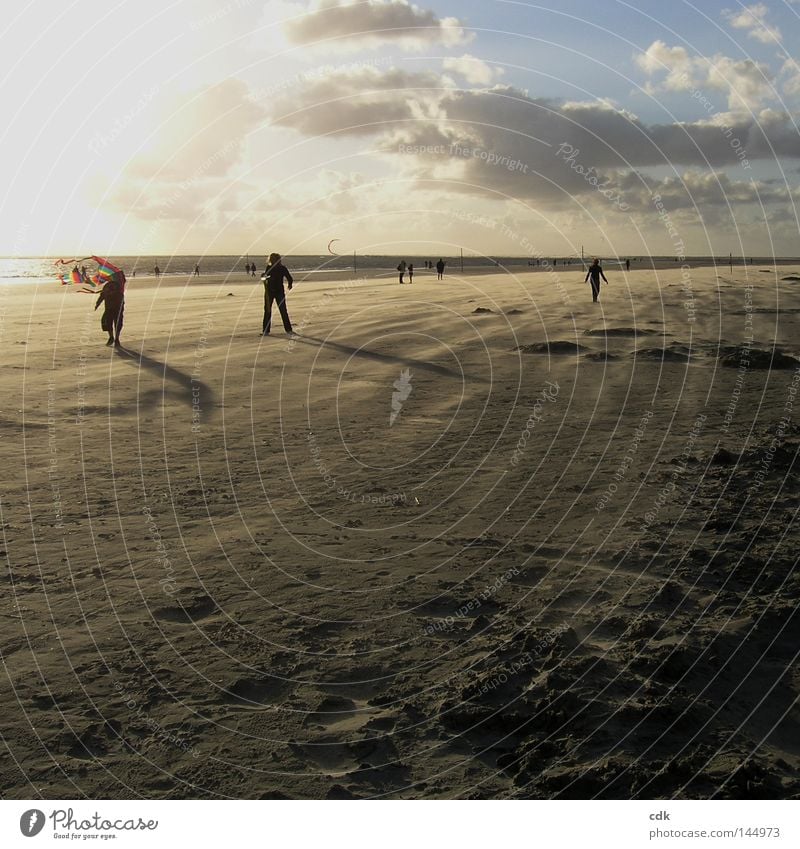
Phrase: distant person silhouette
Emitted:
{"points": [[440, 269], [627, 265], [196, 270], [157, 271], [595, 272], [247, 268], [113, 296], [253, 270], [401, 267], [274, 275], [411, 272]]}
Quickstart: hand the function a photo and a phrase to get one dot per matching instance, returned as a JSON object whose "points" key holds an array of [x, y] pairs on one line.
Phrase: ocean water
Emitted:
{"points": [[44, 269]]}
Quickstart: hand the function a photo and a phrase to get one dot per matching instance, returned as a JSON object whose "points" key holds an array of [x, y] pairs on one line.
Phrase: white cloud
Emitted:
{"points": [[472, 69], [745, 83], [358, 24], [753, 18]]}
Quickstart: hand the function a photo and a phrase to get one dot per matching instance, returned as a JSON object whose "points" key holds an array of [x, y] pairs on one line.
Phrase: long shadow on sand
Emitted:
{"points": [[191, 386], [366, 354]]}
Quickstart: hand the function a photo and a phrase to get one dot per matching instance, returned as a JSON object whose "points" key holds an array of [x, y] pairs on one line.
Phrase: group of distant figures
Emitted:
{"points": [[408, 268], [112, 295]]}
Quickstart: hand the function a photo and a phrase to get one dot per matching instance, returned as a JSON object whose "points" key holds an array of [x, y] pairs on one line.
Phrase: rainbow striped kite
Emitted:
{"points": [[106, 271]]}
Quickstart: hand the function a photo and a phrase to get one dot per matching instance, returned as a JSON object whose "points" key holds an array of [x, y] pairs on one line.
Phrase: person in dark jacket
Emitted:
{"points": [[276, 272], [595, 272], [440, 269], [113, 296]]}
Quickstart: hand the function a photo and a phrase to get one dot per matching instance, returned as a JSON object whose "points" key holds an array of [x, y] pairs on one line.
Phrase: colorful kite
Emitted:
{"points": [[105, 272]]}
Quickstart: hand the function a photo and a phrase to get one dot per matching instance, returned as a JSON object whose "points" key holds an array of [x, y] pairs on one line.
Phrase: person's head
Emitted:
{"points": [[273, 259], [595, 261]]}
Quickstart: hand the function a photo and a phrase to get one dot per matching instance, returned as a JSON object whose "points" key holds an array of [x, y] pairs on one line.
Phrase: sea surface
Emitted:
{"points": [[44, 269]]}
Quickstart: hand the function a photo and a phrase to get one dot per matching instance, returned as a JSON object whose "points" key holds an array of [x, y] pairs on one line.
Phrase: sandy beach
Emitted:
{"points": [[470, 538]]}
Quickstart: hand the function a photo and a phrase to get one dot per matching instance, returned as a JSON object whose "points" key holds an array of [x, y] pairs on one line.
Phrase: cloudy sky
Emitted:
{"points": [[504, 127]]}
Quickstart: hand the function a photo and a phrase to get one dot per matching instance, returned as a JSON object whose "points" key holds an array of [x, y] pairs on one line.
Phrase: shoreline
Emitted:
{"points": [[375, 274]]}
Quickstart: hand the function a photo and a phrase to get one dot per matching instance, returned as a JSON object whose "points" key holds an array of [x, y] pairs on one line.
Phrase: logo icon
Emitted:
{"points": [[402, 390], [31, 822]]}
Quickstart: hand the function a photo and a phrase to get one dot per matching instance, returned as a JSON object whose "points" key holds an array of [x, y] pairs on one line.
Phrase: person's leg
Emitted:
{"points": [[268, 299], [118, 324], [595, 289], [107, 323], [287, 324]]}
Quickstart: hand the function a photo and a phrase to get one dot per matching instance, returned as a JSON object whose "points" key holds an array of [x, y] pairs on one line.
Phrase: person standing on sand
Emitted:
{"points": [[411, 272], [440, 269], [247, 268], [113, 296], [157, 271], [274, 275], [196, 270], [595, 272], [401, 267], [627, 265]]}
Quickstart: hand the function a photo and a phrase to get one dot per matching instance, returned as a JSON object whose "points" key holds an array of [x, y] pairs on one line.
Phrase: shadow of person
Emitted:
{"points": [[192, 387], [374, 356]]}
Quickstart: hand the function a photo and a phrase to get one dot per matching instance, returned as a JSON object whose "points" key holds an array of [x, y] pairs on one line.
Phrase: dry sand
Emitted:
{"points": [[600, 604]]}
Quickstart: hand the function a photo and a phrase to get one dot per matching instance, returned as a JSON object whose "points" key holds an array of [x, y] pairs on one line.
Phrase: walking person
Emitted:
{"points": [[197, 270], [247, 268], [411, 272], [113, 296], [440, 269], [595, 272], [401, 267], [276, 272]]}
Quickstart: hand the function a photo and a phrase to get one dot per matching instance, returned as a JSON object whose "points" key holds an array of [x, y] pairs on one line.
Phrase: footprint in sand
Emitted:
{"points": [[256, 693], [191, 611]]}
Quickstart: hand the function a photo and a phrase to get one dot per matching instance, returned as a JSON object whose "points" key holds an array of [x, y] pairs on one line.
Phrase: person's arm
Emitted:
{"points": [[289, 278], [603, 276], [101, 298], [587, 275]]}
